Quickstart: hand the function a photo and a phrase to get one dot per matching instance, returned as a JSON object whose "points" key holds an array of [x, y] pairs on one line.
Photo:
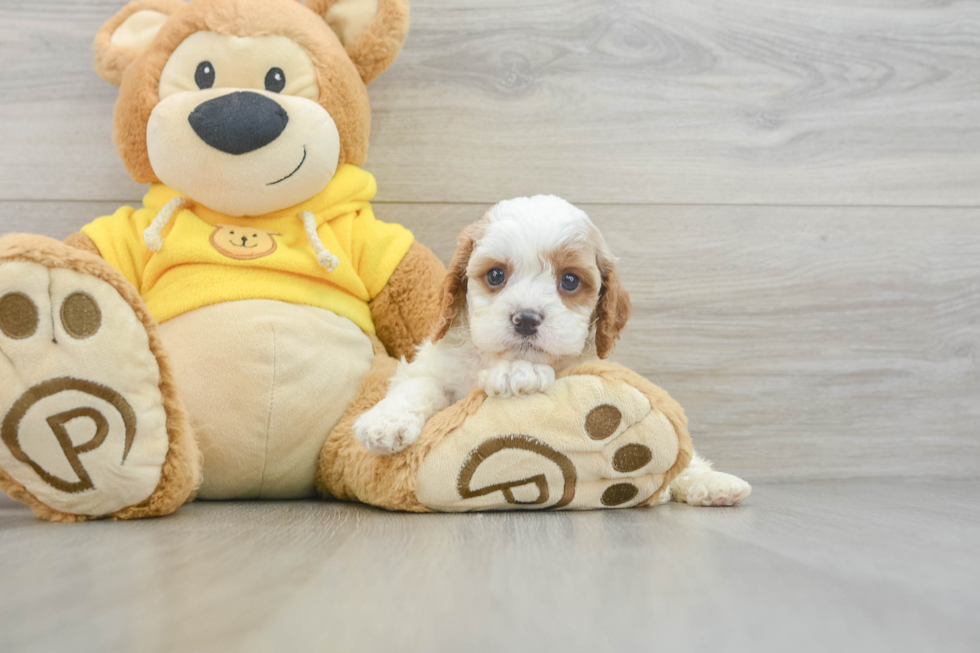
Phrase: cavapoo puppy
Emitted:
{"points": [[532, 290]]}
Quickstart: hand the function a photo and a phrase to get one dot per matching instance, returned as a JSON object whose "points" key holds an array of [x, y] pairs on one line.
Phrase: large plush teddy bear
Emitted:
{"points": [[220, 341]]}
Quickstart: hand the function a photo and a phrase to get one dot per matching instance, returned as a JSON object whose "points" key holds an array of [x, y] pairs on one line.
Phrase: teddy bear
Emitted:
{"points": [[219, 341]]}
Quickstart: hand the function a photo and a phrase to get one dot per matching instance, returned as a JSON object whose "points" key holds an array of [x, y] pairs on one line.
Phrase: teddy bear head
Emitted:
{"points": [[246, 106]]}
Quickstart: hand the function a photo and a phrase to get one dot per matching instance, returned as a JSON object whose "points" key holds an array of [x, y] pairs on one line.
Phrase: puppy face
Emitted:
{"points": [[537, 281]]}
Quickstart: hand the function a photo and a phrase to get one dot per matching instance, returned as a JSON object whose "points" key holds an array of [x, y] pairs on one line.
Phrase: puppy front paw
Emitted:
{"points": [[384, 430], [540, 379], [516, 378]]}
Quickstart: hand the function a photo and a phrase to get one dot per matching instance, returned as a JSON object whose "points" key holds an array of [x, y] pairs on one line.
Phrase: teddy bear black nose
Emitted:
{"points": [[238, 122]]}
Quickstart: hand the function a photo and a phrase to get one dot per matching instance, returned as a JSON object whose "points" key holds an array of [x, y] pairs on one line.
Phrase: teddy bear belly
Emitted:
{"points": [[265, 382]]}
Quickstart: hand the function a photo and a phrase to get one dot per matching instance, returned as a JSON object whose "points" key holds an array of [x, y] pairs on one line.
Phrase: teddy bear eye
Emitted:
{"points": [[496, 276], [275, 80], [204, 75], [569, 281]]}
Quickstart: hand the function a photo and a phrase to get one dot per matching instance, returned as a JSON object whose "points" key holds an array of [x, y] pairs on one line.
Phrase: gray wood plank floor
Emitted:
{"points": [[832, 566]]}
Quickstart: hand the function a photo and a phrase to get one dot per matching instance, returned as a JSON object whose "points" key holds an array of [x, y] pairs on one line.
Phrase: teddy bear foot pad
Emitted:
{"points": [[588, 442], [84, 427]]}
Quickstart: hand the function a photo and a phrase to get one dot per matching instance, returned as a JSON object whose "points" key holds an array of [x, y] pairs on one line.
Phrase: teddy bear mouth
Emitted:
{"points": [[295, 170]]}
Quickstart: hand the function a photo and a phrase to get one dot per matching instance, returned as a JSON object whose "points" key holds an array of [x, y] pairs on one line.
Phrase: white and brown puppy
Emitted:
{"points": [[532, 289]]}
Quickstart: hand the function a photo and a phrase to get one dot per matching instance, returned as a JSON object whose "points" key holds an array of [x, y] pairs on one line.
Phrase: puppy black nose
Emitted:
{"points": [[244, 239], [238, 122], [526, 323]]}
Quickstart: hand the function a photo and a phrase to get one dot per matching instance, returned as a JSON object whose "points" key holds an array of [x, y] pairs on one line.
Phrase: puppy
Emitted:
{"points": [[531, 290]]}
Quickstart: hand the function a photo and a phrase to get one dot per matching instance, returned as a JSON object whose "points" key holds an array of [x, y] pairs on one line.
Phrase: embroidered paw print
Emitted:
{"points": [[82, 422], [585, 443]]}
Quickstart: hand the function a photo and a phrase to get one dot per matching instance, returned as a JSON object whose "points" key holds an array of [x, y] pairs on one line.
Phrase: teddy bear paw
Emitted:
{"points": [[587, 442], [84, 427]]}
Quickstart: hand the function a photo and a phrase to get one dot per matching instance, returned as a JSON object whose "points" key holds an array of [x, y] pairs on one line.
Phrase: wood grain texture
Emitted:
{"points": [[870, 102], [849, 566], [803, 342]]}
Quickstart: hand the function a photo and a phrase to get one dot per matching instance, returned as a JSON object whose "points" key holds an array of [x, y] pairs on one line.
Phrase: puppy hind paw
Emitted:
{"points": [[714, 489]]}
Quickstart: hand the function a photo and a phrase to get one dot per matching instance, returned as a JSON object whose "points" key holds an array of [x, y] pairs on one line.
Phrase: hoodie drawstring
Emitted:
{"points": [[153, 235], [323, 255]]}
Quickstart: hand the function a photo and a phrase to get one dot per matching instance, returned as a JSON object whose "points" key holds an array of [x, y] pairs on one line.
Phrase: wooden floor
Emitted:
{"points": [[794, 191], [823, 566]]}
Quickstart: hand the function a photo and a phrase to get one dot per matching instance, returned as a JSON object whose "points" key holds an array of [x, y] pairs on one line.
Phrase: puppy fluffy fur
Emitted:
{"points": [[531, 290]]}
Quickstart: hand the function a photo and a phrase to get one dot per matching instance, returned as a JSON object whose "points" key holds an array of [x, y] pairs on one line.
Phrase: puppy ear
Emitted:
{"points": [[613, 310], [128, 34], [454, 286], [372, 31]]}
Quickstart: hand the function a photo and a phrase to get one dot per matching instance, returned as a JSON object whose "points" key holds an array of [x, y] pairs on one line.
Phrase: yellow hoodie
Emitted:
{"points": [[206, 257]]}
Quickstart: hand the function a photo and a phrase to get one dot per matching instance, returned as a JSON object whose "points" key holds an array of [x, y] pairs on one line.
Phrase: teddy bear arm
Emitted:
{"points": [[78, 240], [406, 309]]}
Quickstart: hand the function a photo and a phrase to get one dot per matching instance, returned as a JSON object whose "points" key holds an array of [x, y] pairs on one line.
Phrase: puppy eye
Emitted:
{"points": [[569, 281], [496, 276], [204, 75], [275, 80]]}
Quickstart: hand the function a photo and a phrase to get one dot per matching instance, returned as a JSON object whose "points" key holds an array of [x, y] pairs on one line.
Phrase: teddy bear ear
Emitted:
{"points": [[127, 34], [372, 31]]}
